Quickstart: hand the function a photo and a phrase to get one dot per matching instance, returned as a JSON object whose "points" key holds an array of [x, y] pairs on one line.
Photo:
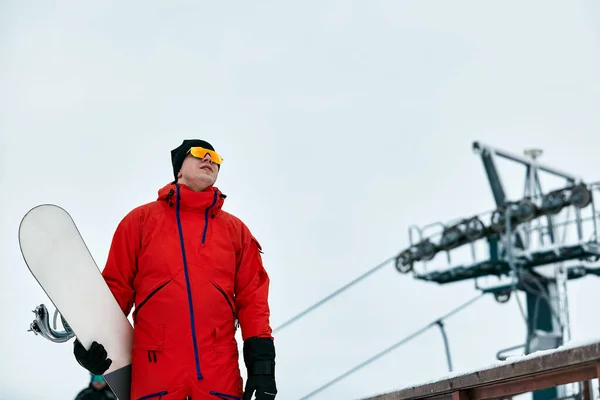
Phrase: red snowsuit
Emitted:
{"points": [[192, 271]]}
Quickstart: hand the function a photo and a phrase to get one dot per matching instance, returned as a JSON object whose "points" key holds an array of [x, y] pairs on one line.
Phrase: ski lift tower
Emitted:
{"points": [[533, 244]]}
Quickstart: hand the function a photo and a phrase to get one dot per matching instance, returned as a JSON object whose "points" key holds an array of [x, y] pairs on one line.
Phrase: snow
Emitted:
{"points": [[580, 343]]}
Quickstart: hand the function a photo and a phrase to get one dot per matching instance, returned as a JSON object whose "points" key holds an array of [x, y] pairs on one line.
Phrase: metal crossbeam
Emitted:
{"points": [[483, 148], [499, 267]]}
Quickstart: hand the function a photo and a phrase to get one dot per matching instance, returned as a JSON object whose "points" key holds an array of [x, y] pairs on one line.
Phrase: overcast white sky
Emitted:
{"points": [[341, 124]]}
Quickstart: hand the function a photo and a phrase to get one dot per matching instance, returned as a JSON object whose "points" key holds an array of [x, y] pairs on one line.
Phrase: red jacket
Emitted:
{"points": [[193, 272]]}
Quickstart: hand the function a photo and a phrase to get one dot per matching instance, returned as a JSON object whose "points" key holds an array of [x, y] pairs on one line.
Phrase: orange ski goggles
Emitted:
{"points": [[97, 378], [201, 152]]}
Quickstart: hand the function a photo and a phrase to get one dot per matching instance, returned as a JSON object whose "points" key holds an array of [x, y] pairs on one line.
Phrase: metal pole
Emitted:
{"points": [[540, 312], [440, 323]]}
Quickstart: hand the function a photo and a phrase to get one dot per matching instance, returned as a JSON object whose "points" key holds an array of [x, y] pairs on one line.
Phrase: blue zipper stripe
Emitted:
{"points": [[159, 394], [187, 280], [206, 217], [225, 396]]}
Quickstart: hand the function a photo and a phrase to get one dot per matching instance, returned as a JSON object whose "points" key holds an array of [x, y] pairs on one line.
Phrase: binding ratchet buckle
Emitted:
{"points": [[41, 326]]}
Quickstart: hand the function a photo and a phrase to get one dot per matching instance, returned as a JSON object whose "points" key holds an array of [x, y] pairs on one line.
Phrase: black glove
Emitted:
{"points": [[259, 357], [95, 359]]}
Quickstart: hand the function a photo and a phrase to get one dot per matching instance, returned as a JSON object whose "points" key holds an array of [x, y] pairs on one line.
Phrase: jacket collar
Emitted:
{"points": [[211, 199]]}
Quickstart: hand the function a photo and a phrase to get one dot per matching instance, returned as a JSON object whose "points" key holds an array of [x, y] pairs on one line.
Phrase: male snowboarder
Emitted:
{"points": [[194, 274]]}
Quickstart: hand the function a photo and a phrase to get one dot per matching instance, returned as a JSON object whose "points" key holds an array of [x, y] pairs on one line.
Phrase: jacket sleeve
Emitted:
{"points": [[121, 264], [252, 290]]}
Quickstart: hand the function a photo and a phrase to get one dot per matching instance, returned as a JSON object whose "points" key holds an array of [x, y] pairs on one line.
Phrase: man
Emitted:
{"points": [[194, 273], [96, 390]]}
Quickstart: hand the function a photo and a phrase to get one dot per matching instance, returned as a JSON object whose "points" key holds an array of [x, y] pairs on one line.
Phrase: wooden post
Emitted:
{"points": [[460, 395], [586, 393]]}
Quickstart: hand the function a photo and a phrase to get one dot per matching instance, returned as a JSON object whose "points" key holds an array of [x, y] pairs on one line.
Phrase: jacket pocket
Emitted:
{"points": [[224, 396], [153, 342], [153, 395], [152, 293], [229, 302]]}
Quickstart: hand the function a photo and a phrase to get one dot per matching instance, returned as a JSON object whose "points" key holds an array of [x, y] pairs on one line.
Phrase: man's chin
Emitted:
{"points": [[205, 181]]}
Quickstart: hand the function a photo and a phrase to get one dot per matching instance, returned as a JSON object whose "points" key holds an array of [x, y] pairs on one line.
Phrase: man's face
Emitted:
{"points": [[99, 385], [98, 382], [198, 173]]}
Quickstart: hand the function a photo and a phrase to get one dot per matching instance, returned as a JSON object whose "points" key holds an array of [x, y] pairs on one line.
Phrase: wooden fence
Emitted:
{"points": [[530, 373]]}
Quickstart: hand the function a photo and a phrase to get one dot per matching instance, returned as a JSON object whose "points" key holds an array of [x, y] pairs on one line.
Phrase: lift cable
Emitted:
{"points": [[333, 294], [393, 347]]}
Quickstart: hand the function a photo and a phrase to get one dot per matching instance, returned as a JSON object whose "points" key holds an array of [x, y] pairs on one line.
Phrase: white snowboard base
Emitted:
{"points": [[60, 261]]}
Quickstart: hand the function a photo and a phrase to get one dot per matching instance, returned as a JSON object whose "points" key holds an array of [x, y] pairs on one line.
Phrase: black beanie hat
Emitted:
{"points": [[178, 154]]}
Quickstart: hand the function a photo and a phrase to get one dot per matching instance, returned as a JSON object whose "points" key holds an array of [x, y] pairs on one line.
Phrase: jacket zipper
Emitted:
{"points": [[206, 217], [228, 301], [153, 395], [138, 308], [225, 396], [188, 286]]}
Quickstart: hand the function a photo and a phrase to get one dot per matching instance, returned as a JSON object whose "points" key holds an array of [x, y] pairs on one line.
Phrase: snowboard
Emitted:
{"points": [[60, 261]]}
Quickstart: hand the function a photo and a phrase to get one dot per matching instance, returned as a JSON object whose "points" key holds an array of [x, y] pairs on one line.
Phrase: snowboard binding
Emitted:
{"points": [[41, 326]]}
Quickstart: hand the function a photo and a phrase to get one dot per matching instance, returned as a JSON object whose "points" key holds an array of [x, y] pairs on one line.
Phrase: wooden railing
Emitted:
{"points": [[531, 373]]}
